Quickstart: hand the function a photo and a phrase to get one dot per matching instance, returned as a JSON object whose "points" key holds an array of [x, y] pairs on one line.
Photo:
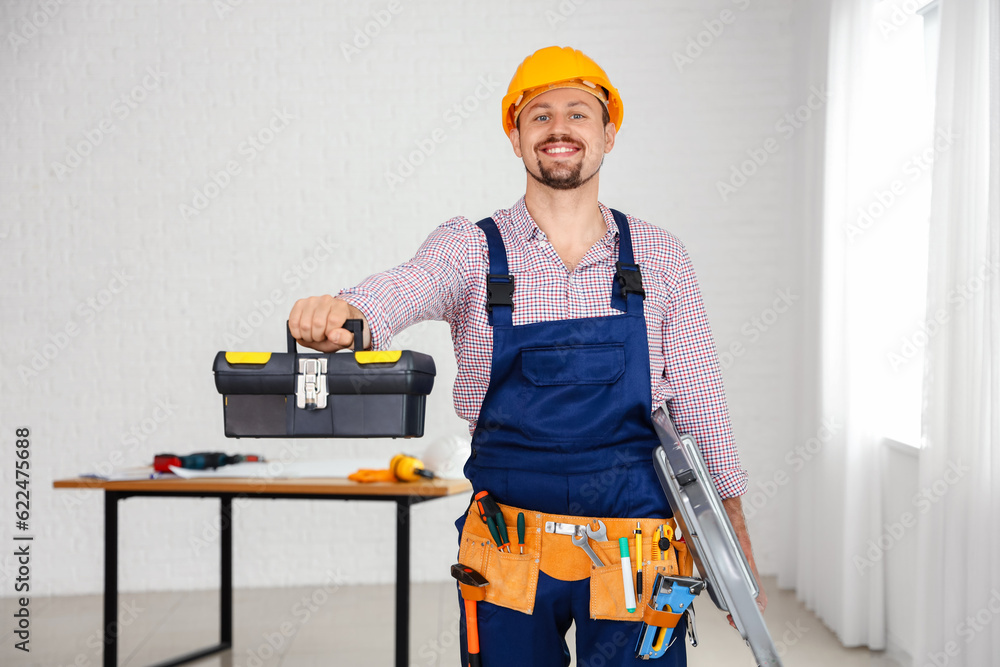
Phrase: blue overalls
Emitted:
{"points": [[565, 428]]}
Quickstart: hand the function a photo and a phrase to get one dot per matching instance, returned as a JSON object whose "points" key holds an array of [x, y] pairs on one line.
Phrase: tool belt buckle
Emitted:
{"points": [[674, 596]]}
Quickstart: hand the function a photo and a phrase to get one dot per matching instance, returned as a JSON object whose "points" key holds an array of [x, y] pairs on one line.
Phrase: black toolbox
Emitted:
{"points": [[359, 394]]}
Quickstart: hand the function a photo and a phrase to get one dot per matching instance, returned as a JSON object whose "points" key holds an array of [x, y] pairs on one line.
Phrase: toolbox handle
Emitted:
{"points": [[355, 326]]}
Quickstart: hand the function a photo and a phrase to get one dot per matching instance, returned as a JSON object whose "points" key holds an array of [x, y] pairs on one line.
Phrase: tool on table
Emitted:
{"points": [[627, 575], [671, 597], [473, 586], [409, 468], [492, 516], [200, 460], [402, 468], [520, 530], [638, 562]]}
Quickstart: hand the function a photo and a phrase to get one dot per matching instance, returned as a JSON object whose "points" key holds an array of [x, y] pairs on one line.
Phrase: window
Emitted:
{"points": [[888, 229]]}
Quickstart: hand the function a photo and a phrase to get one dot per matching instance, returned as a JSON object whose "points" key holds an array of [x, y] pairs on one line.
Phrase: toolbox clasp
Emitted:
{"points": [[310, 384]]}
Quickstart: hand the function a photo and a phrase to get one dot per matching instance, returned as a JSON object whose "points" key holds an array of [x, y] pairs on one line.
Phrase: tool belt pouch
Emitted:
{"points": [[607, 593], [514, 577], [359, 394]]}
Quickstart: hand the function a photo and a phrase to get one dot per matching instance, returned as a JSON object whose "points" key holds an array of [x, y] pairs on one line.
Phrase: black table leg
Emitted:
{"points": [[226, 572], [110, 630], [402, 581], [225, 591]]}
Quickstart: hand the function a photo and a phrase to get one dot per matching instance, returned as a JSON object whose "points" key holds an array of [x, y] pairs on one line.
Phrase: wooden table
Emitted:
{"points": [[404, 494]]}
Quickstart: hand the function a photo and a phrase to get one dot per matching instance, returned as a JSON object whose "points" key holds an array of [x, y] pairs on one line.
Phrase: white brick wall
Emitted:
{"points": [[164, 95]]}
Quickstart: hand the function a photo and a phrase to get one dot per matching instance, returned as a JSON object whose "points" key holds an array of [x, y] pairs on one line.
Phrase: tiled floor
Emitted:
{"points": [[350, 626]]}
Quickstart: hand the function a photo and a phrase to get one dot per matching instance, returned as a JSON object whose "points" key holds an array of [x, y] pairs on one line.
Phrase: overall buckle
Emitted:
{"points": [[499, 290]]}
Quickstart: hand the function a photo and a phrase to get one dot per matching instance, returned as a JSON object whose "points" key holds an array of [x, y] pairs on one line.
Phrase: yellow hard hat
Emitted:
{"points": [[559, 67]]}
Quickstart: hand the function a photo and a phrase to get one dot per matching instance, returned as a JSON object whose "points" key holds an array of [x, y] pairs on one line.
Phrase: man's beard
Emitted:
{"points": [[566, 180]]}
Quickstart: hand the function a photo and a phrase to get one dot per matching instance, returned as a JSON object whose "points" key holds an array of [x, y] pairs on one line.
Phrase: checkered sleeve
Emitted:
{"points": [[428, 287], [692, 371]]}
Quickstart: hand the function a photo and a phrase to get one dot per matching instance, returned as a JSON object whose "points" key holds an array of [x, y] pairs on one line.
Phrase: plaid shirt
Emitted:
{"points": [[446, 280]]}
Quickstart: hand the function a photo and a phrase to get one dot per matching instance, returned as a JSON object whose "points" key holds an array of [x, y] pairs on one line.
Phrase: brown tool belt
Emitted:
{"points": [[513, 576]]}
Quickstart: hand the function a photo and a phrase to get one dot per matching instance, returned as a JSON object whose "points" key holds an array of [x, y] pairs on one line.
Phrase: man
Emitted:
{"points": [[571, 322]]}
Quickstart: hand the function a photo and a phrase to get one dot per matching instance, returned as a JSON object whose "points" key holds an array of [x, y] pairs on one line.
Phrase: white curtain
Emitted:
{"points": [[836, 513], [837, 498], [959, 538], [847, 506], [856, 282]]}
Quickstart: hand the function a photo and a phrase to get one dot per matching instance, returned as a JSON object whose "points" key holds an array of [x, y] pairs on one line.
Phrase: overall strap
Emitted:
{"points": [[626, 288], [499, 283]]}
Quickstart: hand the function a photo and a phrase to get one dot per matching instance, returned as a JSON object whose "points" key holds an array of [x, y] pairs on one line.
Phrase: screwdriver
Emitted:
{"points": [[520, 530], [490, 513], [493, 531], [502, 527]]}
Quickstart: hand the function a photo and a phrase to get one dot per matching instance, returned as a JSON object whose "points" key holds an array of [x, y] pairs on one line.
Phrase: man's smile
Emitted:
{"points": [[560, 149]]}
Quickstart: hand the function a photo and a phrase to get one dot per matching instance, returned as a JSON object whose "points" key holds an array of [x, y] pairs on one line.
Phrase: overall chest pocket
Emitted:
{"points": [[570, 390]]}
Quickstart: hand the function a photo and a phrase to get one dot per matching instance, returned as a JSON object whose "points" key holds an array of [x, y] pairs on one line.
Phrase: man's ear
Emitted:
{"points": [[610, 132], [515, 140]]}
